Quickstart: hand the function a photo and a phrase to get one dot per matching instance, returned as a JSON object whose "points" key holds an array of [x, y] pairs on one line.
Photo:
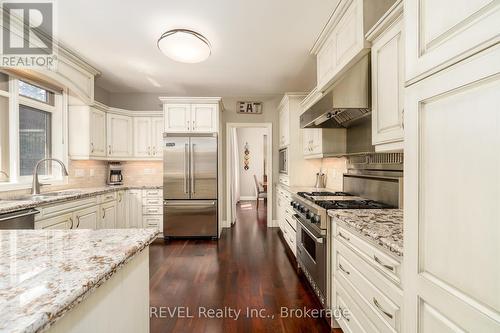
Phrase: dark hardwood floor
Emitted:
{"points": [[246, 269]]}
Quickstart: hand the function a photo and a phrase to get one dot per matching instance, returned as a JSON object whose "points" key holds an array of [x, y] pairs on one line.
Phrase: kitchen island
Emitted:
{"points": [[75, 280]]}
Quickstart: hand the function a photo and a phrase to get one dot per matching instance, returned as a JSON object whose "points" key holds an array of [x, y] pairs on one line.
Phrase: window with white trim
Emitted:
{"points": [[32, 128]]}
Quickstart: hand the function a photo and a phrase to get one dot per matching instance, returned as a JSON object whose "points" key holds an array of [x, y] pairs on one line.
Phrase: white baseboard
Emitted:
{"points": [[249, 198]]}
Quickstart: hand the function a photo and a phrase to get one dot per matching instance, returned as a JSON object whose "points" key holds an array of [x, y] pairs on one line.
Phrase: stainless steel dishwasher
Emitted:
{"points": [[22, 219]]}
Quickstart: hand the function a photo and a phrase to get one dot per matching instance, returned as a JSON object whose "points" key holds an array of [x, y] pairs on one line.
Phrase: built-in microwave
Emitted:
{"points": [[283, 161]]}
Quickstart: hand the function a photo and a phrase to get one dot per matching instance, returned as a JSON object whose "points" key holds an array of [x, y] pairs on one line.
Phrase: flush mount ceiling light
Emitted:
{"points": [[184, 45]]}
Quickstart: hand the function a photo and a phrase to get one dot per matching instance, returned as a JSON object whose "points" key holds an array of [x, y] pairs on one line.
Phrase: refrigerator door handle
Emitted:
{"points": [[186, 169], [192, 169]]}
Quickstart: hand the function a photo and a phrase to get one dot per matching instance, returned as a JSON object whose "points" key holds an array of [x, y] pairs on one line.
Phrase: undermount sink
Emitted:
{"points": [[49, 195]]}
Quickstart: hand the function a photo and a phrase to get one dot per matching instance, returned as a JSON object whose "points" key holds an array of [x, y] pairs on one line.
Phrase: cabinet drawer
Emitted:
{"points": [[291, 222], [152, 201], [153, 193], [284, 179], [383, 311], [381, 261], [107, 197], [64, 221], [152, 210], [352, 318], [290, 237], [153, 222], [65, 207]]}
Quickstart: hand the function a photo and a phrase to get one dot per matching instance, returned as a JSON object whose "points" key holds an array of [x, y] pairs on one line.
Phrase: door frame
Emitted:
{"points": [[269, 168]]}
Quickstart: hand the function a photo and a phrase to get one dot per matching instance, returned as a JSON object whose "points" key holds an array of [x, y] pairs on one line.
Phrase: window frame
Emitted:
{"points": [[59, 136]]}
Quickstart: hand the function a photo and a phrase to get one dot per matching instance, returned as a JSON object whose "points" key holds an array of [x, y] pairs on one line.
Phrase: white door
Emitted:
{"points": [[86, 218], [121, 210], [135, 208], [204, 117], [452, 210], [119, 135], [157, 136], [445, 31], [97, 133], [108, 215], [177, 117], [388, 86], [142, 137]]}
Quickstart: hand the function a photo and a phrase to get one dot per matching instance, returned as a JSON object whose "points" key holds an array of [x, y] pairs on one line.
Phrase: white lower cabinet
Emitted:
{"points": [[121, 209], [108, 217], [64, 221], [286, 222], [152, 209], [86, 218], [135, 208], [366, 283]]}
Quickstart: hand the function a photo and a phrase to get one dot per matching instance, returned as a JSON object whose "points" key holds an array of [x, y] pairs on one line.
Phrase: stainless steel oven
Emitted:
{"points": [[312, 256], [283, 161]]}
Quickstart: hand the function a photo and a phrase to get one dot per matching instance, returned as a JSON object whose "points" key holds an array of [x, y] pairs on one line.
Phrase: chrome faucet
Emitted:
{"points": [[35, 188]]}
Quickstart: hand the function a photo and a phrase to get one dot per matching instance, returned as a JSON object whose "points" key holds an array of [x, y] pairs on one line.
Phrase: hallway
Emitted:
{"points": [[247, 269]]}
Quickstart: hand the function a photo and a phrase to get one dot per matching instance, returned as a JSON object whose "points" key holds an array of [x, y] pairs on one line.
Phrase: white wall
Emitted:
{"points": [[255, 139]]}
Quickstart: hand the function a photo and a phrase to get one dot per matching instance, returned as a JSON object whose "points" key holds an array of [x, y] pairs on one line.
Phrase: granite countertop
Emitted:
{"points": [[9, 205], [45, 273], [383, 227]]}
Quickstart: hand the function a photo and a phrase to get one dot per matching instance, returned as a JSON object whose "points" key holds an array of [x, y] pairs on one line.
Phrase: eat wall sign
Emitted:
{"points": [[250, 107]]}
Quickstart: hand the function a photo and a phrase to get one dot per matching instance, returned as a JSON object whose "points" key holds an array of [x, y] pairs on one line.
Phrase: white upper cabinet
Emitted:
{"points": [[388, 82], [148, 136], [97, 133], [177, 117], [342, 43], [119, 135], [142, 137], [204, 117], [451, 264], [322, 142], [284, 125], [191, 114], [86, 132], [440, 33], [157, 136]]}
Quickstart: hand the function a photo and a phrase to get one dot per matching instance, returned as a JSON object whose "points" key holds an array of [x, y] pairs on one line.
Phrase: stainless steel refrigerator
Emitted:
{"points": [[190, 185]]}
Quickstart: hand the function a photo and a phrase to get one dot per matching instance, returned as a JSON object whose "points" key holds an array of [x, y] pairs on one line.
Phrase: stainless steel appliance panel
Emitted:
{"points": [[24, 219], [190, 218], [176, 183], [203, 167]]}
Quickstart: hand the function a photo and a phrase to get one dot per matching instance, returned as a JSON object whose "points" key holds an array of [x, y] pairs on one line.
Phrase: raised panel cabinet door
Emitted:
{"points": [[97, 133], [134, 199], [325, 62], [177, 117], [439, 33], [286, 125], [121, 210], [204, 117], [86, 218], [388, 85], [451, 267], [348, 36], [119, 135], [317, 141], [142, 137], [307, 140], [157, 136], [108, 215]]}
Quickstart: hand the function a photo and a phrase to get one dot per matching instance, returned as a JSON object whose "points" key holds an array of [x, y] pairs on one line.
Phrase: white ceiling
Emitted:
{"points": [[258, 46]]}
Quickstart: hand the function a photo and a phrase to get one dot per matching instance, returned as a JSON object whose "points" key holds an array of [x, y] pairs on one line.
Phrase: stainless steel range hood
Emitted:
{"points": [[346, 103]]}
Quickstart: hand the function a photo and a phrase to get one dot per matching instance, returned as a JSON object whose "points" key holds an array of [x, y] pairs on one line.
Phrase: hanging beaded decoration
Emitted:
{"points": [[246, 161]]}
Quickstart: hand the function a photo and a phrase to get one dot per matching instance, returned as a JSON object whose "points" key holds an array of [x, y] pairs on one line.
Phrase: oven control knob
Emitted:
{"points": [[306, 211], [301, 208], [316, 218], [309, 215], [292, 203]]}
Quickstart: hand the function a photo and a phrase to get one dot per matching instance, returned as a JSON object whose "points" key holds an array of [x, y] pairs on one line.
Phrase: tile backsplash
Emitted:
{"points": [[94, 174]]}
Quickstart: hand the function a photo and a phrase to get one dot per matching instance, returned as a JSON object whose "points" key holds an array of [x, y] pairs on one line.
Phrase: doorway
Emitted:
{"points": [[249, 170]]}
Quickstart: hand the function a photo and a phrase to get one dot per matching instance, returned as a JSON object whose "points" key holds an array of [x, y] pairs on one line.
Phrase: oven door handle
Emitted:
{"points": [[303, 227]]}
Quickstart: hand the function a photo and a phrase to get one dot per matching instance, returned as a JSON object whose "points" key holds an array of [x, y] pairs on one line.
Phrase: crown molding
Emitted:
{"points": [[190, 100]]}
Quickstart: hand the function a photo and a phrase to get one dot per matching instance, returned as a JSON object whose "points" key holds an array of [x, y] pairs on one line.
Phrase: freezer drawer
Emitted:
{"points": [[190, 218]]}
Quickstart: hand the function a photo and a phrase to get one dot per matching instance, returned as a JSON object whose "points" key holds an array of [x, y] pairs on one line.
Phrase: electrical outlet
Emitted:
{"points": [[91, 172]]}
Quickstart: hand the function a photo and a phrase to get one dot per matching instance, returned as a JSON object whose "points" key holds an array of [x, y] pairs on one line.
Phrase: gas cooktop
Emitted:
{"points": [[351, 204]]}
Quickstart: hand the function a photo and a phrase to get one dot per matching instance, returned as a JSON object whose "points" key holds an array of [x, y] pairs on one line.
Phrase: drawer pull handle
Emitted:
{"points": [[344, 237], [378, 261], [381, 309], [344, 270], [71, 220], [342, 313]]}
